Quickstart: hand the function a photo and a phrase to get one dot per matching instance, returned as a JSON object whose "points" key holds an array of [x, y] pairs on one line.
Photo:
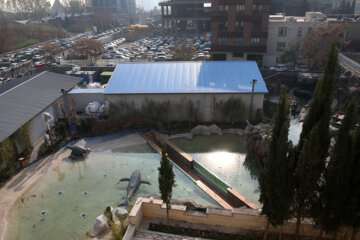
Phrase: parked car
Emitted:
{"points": [[4, 69], [38, 65], [58, 59], [302, 68], [14, 65], [279, 67], [111, 65]]}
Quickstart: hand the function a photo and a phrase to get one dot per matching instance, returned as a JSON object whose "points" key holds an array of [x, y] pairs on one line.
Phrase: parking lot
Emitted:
{"points": [[25, 61]]}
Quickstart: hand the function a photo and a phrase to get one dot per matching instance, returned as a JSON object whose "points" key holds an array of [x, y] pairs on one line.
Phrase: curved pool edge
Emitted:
{"points": [[22, 182]]}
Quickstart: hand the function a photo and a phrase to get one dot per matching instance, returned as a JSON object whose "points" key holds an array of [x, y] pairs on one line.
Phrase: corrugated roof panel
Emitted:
{"points": [[186, 77], [23, 102]]}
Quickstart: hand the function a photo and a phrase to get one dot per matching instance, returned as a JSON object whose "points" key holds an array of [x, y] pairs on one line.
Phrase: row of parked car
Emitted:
{"points": [[283, 67], [156, 49]]}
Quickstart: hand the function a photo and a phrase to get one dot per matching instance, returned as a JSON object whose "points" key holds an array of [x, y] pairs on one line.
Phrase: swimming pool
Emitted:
{"points": [[64, 203]]}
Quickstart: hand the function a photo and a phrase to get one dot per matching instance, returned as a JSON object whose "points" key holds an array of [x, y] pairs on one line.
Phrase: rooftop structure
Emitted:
{"points": [[23, 102], [185, 77]]}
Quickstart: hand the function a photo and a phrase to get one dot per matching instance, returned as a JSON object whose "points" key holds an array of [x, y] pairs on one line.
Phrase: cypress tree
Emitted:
{"points": [[353, 207], [334, 191], [166, 179], [276, 190], [312, 150]]}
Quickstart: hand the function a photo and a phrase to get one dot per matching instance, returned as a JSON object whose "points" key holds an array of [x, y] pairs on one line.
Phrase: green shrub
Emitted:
{"points": [[44, 149], [8, 155], [85, 126], [61, 129]]}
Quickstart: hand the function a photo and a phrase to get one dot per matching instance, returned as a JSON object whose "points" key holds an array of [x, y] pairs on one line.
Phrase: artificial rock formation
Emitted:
{"points": [[255, 143], [205, 130], [99, 227]]}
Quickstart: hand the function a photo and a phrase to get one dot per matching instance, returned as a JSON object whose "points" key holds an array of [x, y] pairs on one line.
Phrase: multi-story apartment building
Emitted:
{"points": [[192, 16], [287, 30], [239, 29]]}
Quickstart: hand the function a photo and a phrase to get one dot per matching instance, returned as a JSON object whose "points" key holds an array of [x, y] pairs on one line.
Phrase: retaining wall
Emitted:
{"points": [[221, 220]]}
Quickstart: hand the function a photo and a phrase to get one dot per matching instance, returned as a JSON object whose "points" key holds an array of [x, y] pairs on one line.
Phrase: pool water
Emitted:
{"points": [[295, 130], [65, 202], [225, 156]]}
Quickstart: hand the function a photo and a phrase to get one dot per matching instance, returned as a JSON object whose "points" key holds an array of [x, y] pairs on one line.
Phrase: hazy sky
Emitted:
{"points": [[148, 4]]}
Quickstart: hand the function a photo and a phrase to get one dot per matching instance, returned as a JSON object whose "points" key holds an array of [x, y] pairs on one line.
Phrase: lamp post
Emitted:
{"points": [[253, 82]]}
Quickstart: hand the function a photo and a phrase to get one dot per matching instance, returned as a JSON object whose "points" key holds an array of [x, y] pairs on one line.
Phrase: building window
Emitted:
{"points": [[238, 40], [238, 54], [240, 8], [256, 26], [223, 26], [299, 31], [282, 31], [223, 7], [223, 40], [239, 26], [255, 41], [257, 8], [280, 46]]}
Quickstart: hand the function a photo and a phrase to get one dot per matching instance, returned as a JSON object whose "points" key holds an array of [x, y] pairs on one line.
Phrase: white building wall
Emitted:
{"points": [[83, 99], [292, 37], [37, 126], [205, 103]]}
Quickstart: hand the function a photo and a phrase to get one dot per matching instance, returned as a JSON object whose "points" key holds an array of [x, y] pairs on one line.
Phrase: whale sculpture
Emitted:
{"points": [[134, 182], [77, 151]]}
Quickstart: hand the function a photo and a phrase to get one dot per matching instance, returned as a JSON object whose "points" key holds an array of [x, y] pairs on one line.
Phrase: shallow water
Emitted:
{"points": [[225, 156], [65, 202], [295, 130]]}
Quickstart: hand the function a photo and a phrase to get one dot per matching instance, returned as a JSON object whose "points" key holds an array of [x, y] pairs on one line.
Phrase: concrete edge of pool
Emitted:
{"points": [[24, 180]]}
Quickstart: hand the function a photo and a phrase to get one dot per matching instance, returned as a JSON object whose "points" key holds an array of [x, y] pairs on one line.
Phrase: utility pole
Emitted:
{"points": [[252, 98]]}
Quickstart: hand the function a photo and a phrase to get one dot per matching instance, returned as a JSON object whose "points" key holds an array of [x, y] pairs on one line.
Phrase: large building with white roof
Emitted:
{"points": [[204, 83]]}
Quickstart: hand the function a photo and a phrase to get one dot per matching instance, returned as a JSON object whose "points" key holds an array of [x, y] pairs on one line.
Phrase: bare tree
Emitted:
{"points": [[86, 48]]}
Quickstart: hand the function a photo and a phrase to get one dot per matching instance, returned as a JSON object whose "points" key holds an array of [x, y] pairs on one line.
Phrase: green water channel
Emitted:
{"points": [[225, 156]]}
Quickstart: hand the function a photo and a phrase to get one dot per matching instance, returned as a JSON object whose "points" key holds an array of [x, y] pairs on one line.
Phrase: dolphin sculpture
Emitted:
{"points": [[134, 182], [77, 151]]}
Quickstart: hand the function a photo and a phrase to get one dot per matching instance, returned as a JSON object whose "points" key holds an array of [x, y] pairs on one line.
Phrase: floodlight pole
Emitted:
{"points": [[252, 98]]}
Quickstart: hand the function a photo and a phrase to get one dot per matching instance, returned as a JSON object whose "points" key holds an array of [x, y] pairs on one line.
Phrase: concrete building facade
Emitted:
{"points": [[287, 30], [239, 29], [192, 16]]}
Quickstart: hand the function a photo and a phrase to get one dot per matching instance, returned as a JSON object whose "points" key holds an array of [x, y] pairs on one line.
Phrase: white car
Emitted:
{"points": [[302, 68], [37, 57], [279, 67], [4, 69]]}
